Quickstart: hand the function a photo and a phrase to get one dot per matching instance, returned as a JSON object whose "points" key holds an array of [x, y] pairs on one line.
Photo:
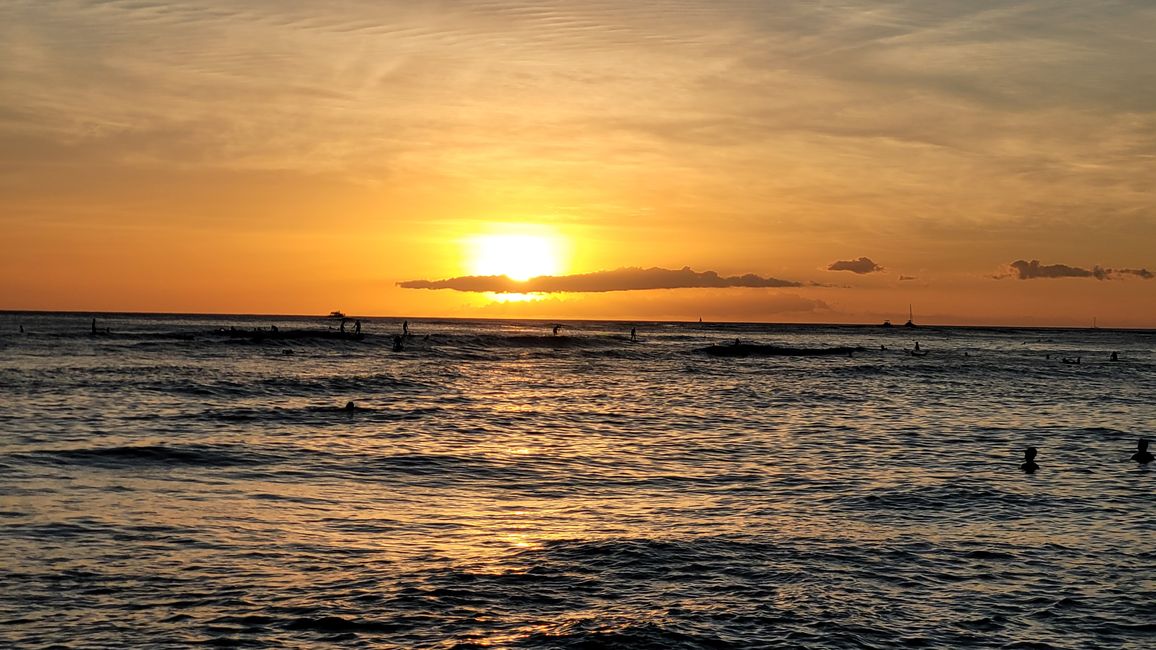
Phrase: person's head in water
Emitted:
{"points": [[350, 406], [1029, 464], [1142, 455]]}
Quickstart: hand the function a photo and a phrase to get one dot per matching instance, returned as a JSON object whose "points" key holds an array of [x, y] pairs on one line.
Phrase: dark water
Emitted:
{"points": [[167, 486]]}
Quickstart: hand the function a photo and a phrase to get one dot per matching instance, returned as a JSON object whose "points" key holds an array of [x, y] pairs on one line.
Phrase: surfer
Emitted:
{"points": [[350, 407], [1114, 357], [94, 326], [397, 343], [556, 328], [1029, 466], [357, 327], [405, 328], [917, 346], [1142, 455], [633, 334]]}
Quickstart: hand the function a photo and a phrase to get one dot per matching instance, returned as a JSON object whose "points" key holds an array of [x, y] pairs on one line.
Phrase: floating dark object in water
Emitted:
{"points": [[1069, 360], [1029, 465], [886, 323], [757, 350]]}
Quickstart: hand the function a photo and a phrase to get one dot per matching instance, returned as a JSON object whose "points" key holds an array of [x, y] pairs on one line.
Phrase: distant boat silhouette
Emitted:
{"points": [[336, 314], [910, 318], [886, 323]]}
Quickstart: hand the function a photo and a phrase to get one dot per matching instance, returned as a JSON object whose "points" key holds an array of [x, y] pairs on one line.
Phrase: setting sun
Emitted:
{"points": [[518, 257]]}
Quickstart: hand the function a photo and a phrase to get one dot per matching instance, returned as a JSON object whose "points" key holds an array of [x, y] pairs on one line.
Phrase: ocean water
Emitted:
{"points": [[168, 485]]}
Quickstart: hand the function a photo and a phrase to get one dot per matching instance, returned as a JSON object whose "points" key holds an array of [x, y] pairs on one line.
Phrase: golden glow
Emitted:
{"points": [[518, 257], [513, 297]]}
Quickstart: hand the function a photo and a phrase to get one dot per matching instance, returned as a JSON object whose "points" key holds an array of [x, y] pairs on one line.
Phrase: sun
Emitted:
{"points": [[518, 257]]}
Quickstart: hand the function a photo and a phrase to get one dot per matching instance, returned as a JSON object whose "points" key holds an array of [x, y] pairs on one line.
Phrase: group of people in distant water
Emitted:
{"points": [[1142, 456]]}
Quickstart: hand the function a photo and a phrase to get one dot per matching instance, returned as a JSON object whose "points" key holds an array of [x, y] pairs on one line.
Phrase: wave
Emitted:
{"points": [[153, 455]]}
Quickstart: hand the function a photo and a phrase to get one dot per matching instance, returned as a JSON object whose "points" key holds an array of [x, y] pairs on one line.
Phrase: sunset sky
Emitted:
{"points": [[985, 162]]}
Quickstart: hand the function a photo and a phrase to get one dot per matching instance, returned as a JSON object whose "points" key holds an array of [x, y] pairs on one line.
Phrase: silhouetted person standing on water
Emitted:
{"points": [[556, 328], [405, 328], [633, 334], [1142, 455], [94, 326], [1030, 465], [357, 327]]}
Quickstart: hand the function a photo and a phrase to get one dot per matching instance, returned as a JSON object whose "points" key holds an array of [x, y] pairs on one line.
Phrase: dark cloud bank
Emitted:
{"points": [[861, 266], [1024, 270], [626, 279]]}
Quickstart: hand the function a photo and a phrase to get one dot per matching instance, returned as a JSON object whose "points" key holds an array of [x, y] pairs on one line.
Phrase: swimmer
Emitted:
{"points": [[397, 346], [556, 328], [1029, 464], [350, 406], [1142, 455], [1115, 357]]}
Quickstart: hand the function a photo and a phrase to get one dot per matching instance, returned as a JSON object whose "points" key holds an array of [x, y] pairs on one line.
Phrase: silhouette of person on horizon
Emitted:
{"points": [[357, 326], [1114, 357], [633, 334], [1029, 466], [21, 329], [350, 406], [1142, 455], [556, 328], [397, 347], [94, 326], [405, 328], [917, 346]]}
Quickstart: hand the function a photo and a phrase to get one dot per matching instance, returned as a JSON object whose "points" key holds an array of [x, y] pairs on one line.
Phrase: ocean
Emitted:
{"points": [[179, 481]]}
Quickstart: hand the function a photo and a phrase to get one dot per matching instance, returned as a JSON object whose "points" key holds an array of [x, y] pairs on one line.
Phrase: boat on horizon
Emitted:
{"points": [[910, 318]]}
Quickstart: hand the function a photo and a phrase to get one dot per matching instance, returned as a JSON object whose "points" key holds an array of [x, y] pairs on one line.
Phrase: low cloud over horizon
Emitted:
{"points": [[862, 266], [623, 279], [1024, 270]]}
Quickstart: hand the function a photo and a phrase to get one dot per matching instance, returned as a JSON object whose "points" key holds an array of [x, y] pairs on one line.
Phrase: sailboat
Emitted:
{"points": [[910, 318]]}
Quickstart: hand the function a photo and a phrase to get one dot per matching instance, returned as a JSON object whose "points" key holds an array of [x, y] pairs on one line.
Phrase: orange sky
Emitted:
{"points": [[251, 157]]}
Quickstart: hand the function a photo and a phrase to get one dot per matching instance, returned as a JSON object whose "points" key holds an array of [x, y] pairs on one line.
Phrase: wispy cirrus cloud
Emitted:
{"points": [[862, 266], [1033, 270], [624, 279]]}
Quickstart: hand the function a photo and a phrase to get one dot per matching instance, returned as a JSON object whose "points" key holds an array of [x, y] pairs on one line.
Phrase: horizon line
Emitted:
{"points": [[575, 320]]}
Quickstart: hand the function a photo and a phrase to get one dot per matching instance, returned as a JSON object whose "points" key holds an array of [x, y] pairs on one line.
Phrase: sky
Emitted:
{"points": [[983, 163]]}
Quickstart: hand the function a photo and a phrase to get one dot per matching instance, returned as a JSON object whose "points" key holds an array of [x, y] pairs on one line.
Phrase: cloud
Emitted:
{"points": [[1024, 270], [1143, 273], [861, 266], [624, 279]]}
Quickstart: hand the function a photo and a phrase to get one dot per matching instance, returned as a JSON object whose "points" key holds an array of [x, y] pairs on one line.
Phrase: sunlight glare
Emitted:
{"points": [[519, 257]]}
